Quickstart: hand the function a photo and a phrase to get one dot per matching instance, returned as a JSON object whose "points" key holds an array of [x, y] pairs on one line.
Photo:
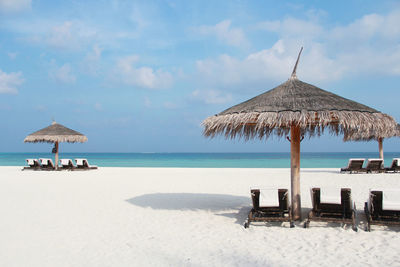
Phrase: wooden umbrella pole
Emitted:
{"points": [[295, 171], [56, 159], [380, 141]]}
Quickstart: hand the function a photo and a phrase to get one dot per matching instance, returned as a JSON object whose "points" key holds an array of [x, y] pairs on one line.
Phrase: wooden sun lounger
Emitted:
{"points": [[47, 164], [395, 166], [279, 211], [33, 164], [340, 210], [383, 208], [83, 164], [375, 165], [354, 165], [66, 164]]}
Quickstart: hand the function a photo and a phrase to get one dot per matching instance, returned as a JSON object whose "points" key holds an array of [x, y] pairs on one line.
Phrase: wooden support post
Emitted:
{"points": [[295, 171], [56, 158], [380, 141]]}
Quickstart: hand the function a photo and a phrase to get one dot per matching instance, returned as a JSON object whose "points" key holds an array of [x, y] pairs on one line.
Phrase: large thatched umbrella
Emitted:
{"points": [[56, 133], [368, 136], [301, 109]]}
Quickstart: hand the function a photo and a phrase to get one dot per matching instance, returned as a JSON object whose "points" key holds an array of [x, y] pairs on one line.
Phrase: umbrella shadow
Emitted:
{"points": [[190, 201]]}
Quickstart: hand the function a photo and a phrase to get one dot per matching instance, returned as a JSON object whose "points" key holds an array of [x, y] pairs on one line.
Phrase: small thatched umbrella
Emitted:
{"points": [[368, 136], [299, 108], [56, 133]]}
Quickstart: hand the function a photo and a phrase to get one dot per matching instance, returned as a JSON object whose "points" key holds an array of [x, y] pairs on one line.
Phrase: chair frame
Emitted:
{"points": [[35, 167], [376, 215], [48, 167], [344, 213], [354, 165], [85, 165], [70, 165], [375, 165], [394, 167], [281, 213]]}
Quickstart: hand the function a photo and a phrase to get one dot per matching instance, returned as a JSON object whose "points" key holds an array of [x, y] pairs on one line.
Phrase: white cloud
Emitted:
{"points": [[9, 82], [12, 55], [225, 33], [62, 74], [144, 77], [292, 27], [98, 106], [70, 35], [211, 96], [14, 5], [170, 105], [91, 62], [366, 46]]}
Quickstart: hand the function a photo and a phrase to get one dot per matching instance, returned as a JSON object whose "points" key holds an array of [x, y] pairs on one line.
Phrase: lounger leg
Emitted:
{"points": [[368, 227]]}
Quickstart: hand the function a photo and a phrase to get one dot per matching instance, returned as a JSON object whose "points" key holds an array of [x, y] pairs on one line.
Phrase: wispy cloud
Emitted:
{"points": [[63, 74], [91, 62], [12, 55], [211, 96], [366, 46], [9, 82], [225, 33], [12, 6], [128, 73]]}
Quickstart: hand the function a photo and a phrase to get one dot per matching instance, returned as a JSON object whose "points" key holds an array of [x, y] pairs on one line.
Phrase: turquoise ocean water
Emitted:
{"points": [[203, 160]]}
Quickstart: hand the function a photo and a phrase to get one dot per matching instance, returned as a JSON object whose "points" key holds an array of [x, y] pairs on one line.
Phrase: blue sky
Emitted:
{"points": [[140, 76]]}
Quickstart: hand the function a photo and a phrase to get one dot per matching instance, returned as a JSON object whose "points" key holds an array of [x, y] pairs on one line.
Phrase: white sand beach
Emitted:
{"points": [[178, 217]]}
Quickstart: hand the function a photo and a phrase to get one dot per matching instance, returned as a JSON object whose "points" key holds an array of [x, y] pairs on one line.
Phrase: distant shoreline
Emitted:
{"points": [[203, 160]]}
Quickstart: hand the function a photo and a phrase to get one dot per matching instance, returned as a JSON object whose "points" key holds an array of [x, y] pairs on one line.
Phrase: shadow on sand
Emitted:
{"points": [[190, 201]]}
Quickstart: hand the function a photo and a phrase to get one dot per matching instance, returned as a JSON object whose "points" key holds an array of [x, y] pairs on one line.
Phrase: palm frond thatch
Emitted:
{"points": [[297, 103], [370, 135], [56, 133]]}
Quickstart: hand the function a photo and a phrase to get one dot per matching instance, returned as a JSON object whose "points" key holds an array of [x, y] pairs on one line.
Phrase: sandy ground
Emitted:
{"points": [[178, 217]]}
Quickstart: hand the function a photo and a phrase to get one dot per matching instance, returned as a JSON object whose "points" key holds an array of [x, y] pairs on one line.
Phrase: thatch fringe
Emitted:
{"points": [[261, 125], [370, 135], [53, 138]]}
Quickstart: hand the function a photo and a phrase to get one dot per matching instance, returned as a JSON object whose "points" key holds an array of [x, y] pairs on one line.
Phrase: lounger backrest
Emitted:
{"points": [[331, 195], [375, 164], [269, 197], [355, 164], [282, 196], [79, 162], [395, 163], [391, 199], [66, 162], [44, 162], [32, 162], [86, 163], [345, 201]]}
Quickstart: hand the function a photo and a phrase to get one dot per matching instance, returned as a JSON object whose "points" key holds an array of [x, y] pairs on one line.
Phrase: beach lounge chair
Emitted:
{"points": [[332, 205], [354, 165], [383, 207], [47, 164], [84, 164], [33, 164], [269, 205], [395, 166], [67, 164], [375, 165]]}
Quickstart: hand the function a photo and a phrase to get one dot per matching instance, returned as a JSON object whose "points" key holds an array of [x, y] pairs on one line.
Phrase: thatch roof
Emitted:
{"points": [[368, 135], [297, 103], [56, 133]]}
